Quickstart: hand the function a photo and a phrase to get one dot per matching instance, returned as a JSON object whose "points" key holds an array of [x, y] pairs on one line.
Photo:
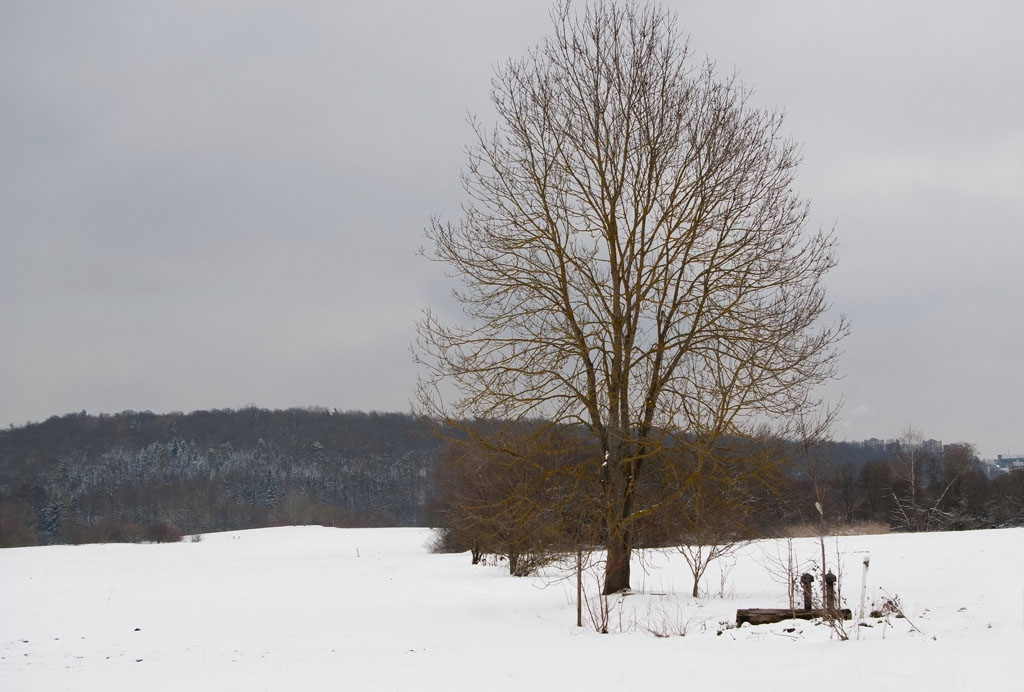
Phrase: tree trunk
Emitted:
{"points": [[618, 505], [616, 569]]}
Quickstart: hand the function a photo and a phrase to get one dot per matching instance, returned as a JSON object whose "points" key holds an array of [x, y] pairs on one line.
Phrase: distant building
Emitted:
{"points": [[874, 444], [932, 447], [1004, 464]]}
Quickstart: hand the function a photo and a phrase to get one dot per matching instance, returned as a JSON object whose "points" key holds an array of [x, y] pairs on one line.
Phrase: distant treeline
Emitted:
{"points": [[905, 486], [144, 476], [83, 478], [532, 502]]}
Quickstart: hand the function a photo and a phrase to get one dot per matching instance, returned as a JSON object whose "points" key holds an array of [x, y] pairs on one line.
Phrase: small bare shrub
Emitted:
{"points": [[444, 541], [128, 533], [163, 532], [81, 535], [526, 564], [599, 613], [786, 568], [700, 555], [663, 623], [891, 606], [104, 532]]}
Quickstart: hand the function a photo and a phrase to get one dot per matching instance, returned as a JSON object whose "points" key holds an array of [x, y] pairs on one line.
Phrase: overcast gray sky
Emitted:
{"points": [[210, 204]]}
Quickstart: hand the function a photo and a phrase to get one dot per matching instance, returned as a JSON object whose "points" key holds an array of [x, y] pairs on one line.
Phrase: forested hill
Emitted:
{"points": [[143, 476], [79, 477]]}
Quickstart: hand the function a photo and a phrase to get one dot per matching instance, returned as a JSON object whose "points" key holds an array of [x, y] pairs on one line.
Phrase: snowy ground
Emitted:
{"points": [[330, 609]]}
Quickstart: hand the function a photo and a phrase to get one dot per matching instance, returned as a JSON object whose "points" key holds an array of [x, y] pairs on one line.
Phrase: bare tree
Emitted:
{"points": [[928, 492], [511, 494], [961, 490], [704, 549], [632, 258], [718, 511], [906, 470]]}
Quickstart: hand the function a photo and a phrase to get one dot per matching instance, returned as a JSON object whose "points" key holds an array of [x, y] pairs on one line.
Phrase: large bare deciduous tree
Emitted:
{"points": [[632, 258]]}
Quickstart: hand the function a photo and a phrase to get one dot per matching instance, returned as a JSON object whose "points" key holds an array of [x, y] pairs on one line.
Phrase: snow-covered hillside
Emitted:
{"points": [[370, 609]]}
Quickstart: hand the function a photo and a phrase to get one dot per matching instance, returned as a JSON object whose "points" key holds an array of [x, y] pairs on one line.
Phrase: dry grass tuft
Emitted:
{"points": [[861, 528]]}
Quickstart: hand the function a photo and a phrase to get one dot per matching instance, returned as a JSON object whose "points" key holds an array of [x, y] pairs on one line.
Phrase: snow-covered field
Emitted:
{"points": [[343, 609]]}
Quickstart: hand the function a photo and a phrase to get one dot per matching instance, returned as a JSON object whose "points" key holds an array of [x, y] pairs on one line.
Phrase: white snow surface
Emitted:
{"points": [[311, 608]]}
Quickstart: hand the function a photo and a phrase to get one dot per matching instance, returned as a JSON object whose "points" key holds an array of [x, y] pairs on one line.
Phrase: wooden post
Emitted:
{"points": [[579, 588], [830, 592], [806, 580], [864, 585]]}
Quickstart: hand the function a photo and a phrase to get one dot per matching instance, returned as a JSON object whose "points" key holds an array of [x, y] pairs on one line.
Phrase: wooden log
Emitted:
{"points": [[767, 616]]}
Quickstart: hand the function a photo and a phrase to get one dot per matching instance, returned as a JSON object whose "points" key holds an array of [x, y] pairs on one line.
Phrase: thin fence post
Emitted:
{"points": [[579, 588]]}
